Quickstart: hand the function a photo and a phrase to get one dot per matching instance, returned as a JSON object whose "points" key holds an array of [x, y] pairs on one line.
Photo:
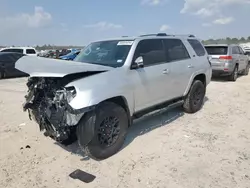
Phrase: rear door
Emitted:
{"points": [[243, 59], [181, 67], [236, 57]]}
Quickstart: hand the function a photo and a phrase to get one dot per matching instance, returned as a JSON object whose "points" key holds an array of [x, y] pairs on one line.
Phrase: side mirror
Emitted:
{"points": [[138, 63]]}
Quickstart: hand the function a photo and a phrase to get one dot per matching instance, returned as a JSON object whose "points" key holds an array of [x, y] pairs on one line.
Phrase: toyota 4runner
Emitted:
{"points": [[95, 98]]}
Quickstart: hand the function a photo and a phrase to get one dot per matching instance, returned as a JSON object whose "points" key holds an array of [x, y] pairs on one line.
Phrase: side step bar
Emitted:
{"points": [[168, 105]]}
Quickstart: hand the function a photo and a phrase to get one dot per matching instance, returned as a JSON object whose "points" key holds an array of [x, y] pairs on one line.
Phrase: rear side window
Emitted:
{"points": [[217, 50], [197, 46], [13, 50], [152, 51], [175, 50], [30, 51], [235, 50]]}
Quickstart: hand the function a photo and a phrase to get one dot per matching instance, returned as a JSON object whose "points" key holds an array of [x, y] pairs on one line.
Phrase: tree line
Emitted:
{"points": [[227, 40]]}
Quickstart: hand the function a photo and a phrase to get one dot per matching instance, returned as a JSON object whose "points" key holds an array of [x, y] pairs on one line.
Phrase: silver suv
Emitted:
{"points": [[228, 60], [95, 98]]}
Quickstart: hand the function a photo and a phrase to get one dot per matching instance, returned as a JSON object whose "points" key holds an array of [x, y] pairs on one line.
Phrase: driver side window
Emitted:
{"points": [[152, 52]]}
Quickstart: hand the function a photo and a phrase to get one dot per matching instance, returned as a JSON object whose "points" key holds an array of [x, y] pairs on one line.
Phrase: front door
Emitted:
{"points": [[151, 83]]}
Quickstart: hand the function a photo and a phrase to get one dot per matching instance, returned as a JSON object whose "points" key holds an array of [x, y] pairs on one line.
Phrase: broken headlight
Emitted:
{"points": [[70, 93]]}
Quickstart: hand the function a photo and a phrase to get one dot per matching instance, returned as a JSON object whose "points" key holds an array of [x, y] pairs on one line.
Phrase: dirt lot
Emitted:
{"points": [[168, 149]]}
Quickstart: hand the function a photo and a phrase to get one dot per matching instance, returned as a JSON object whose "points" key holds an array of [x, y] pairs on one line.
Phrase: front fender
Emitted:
{"points": [[92, 98]]}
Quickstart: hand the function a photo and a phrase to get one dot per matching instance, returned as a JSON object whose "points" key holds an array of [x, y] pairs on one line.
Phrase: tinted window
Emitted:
{"points": [[175, 50], [5, 57], [235, 50], [197, 46], [152, 51], [13, 50], [30, 51], [216, 50], [10, 57], [247, 53]]}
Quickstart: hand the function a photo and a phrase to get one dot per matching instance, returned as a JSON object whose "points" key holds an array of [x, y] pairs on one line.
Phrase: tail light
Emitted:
{"points": [[226, 57]]}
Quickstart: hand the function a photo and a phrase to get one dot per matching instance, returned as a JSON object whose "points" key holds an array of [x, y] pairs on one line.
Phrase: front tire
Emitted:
{"points": [[110, 123], [194, 100]]}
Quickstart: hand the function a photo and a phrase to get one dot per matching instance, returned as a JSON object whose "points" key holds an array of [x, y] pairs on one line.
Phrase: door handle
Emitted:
{"points": [[190, 66], [165, 71]]}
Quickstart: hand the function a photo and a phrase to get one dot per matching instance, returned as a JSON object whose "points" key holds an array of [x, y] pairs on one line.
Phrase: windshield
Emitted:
{"points": [[108, 53], [216, 50]]}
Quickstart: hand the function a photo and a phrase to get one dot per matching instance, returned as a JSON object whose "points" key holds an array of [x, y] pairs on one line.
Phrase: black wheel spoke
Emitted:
{"points": [[108, 131]]}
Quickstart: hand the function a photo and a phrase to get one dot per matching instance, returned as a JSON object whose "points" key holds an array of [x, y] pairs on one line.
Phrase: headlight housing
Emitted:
{"points": [[70, 93]]}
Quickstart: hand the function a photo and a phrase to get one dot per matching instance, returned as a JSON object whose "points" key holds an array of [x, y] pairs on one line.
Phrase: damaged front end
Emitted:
{"points": [[47, 102]]}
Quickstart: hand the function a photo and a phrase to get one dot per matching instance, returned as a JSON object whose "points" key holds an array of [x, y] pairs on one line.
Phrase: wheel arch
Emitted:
{"points": [[198, 76], [121, 101]]}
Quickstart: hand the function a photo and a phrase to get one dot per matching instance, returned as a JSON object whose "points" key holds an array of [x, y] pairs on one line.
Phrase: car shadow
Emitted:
{"points": [[151, 122], [222, 78], [14, 77], [140, 127]]}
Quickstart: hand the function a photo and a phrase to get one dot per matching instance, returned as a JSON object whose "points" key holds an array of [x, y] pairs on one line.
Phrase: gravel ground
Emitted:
{"points": [[167, 149]]}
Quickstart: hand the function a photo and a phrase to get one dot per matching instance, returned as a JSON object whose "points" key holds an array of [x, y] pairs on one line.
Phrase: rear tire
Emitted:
{"points": [[194, 100], [233, 77], [246, 71], [110, 123]]}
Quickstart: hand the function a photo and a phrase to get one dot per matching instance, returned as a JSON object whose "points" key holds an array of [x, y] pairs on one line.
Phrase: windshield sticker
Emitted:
{"points": [[119, 61], [125, 43]]}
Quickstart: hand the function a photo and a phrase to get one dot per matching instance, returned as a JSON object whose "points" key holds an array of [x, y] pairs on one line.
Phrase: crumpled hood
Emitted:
{"points": [[45, 67]]}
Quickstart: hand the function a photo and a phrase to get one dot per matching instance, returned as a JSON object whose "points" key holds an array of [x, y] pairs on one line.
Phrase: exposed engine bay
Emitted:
{"points": [[47, 102]]}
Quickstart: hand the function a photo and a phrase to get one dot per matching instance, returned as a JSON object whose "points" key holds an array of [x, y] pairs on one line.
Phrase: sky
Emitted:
{"points": [[78, 22]]}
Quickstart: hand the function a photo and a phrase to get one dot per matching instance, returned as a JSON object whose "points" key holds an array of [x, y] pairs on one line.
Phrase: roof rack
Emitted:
{"points": [[164, 34]]}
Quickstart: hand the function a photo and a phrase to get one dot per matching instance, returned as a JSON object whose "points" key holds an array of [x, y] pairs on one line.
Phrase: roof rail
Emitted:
{"points": [[161, 34], [164, 34], [147, 35]]}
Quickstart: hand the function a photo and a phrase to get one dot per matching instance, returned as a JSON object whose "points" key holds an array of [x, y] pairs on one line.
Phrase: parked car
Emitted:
{"points": [[96, 97], [64, 52], [7, 65], [70, 56], [247, 52], [228, 60], [23, 50]]}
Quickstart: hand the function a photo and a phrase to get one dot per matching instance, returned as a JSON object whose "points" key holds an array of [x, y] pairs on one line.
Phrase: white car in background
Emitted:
{"points": [[23, 50]]}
